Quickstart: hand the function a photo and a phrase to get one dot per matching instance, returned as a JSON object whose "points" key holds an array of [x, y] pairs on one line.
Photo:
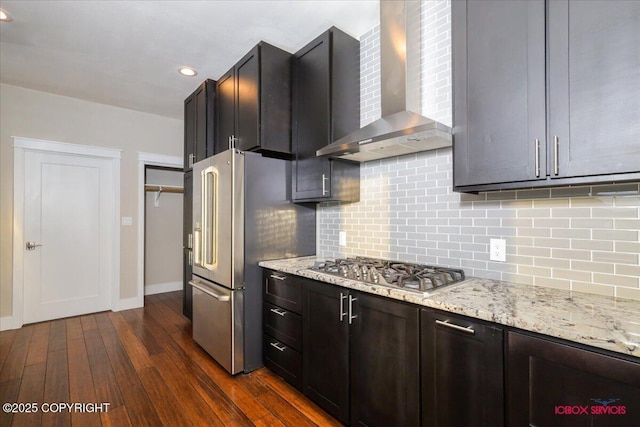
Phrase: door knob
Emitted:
{"points": [[32, 245]]}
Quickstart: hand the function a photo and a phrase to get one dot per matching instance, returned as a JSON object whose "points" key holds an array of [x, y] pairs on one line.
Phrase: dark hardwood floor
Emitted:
{"points": [[144, 363]]}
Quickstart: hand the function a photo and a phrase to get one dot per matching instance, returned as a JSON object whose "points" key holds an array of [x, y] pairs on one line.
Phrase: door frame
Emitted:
{"points": [[144, 160], [20, 147]]}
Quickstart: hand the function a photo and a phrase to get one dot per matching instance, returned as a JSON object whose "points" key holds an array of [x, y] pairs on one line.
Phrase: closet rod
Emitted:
{"points": [[164, 188]]}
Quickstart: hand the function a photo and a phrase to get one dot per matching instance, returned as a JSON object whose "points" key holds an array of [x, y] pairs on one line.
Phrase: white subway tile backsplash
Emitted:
{"points": [[581, 238]]}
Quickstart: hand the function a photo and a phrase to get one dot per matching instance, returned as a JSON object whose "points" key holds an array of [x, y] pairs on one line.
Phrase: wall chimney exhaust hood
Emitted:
{"points": [[402, 129]]}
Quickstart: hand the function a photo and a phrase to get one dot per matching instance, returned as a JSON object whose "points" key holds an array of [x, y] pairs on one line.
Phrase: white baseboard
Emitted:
{"points": [[7, 323], [158, 288], [129, 303]]}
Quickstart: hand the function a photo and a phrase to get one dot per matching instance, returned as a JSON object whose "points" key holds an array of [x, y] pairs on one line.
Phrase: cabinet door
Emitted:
{"points": [[247, 102], [325, 331], [226, 88], [189, 132], [201, 123], [499, 91], [311, 119], [385, 381], [462, 365], [552, 384], [187, 244], [594, 82]]}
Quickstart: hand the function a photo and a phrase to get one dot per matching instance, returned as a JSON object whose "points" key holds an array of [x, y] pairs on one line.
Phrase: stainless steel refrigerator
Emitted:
{"points": [[242, 214]]}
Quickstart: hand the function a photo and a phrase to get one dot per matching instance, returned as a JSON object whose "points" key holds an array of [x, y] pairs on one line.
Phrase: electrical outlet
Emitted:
{"points": [[127, 220], [498, 250], [342, 238]]}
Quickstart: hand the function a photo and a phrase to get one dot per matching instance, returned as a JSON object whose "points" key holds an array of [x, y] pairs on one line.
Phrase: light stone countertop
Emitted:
{"points": [[599, 321]]}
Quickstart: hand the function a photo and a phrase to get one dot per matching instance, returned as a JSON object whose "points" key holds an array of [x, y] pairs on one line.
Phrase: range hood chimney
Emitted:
{"points": [[402, 129]]}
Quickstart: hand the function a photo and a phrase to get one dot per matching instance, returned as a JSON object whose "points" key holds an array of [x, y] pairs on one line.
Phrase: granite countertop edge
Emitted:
{"points": [[599, 321]]}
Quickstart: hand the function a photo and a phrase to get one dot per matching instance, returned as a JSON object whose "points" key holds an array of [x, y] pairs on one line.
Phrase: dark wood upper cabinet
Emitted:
{"points": [[544, 93], [462, 371], [548, 383], [326, 107], [199, 124], [594, 82], [254, 103]]}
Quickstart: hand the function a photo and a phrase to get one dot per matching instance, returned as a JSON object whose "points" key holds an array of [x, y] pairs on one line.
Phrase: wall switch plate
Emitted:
{"points": [[498, 250], [127, 220], [342, 238]]}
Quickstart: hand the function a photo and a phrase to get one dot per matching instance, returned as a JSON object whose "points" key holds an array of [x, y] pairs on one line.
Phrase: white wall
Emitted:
{"points": [[39, 115]]}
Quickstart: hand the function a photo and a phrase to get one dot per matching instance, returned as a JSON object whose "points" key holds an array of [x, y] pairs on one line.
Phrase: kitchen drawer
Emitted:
{"points": [[283, 361], [284, 325], [283, 290]]}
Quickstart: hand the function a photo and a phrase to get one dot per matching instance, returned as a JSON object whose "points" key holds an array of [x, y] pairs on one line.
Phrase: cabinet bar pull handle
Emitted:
{"points": [[342, 313], [556, 167], [278, 277], [468, 329], [324, 185], [351, 316], [277, 347], [278, 311], [537, 158], [191, 258]]}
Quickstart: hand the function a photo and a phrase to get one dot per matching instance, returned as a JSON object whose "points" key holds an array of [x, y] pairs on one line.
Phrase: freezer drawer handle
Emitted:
{"points": [[468, 329], [278, 311], [278, 347], [278, 277], [209, 292]]}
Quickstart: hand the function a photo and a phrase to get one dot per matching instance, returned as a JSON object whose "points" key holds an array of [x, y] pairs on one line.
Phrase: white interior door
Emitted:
{"points": [[69, 226]]}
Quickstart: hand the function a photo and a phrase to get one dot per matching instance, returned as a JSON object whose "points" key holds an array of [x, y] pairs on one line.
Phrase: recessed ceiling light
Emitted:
{"points": [[4, 16], [187, 71]]}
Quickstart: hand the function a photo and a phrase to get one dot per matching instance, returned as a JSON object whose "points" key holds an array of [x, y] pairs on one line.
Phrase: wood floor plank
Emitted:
{"points": [[117, 417], [88, 322], [144, 363], [278, 406], [123, 369], [296, 398], [6, 339], [57, 335], [182, 387], [237, 392], [104, 380], [39, 344], [135, 349], [140, 410], [31, 391], [146, 338], [167, 407], [74, 328], [14, 365], [81, 388], [8, 394], [56, 387]]}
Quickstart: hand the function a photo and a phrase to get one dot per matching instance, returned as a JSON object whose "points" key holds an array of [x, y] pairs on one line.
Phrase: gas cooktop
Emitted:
{"points": [[393, 274]]}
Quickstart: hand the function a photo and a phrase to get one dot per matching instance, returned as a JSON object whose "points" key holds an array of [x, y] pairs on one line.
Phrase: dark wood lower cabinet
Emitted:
{"points": [[385, 362], [361, 356], [553, 384], [325, 331], [462, 372]]}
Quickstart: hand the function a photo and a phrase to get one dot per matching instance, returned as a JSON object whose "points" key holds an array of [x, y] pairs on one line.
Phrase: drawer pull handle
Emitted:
{"points": [[468, 329], [278, 311], [278, 277], [278, 347]]}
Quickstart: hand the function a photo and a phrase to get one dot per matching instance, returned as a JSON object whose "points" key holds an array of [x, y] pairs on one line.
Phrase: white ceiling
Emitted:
{"points": [[126, 53]]}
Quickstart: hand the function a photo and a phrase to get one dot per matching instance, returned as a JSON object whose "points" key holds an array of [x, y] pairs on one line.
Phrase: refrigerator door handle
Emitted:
{"points": [[209, 178], [209, 291]]}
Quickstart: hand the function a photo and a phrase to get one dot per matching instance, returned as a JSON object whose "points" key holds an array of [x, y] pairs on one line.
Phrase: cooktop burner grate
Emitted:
{"points": [[395, 274]]}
